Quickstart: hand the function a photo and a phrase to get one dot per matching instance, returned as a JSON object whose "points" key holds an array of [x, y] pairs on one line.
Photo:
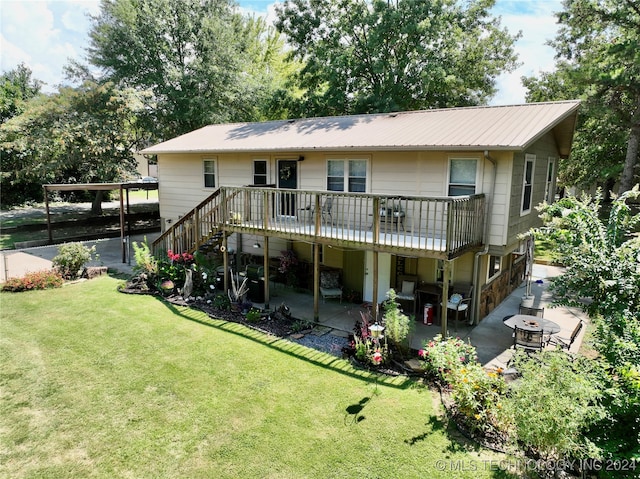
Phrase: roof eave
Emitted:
{"points": [[151, 151]]}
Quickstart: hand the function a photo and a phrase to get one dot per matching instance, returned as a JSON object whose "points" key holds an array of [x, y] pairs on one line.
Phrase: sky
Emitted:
{"points": [[46, 34]]}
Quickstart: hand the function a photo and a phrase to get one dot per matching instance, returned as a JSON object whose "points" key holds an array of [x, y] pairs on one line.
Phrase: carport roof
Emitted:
{"points": [[511, 127]]}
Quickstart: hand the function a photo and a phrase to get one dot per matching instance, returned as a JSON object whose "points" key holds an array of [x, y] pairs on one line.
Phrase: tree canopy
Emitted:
{"points": [[376, 56], [598, 53], [78, 135], [16, 87], [203, 62]]}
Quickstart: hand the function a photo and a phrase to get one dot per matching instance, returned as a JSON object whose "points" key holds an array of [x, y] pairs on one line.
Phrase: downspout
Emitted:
{"points": [[485, 238]]}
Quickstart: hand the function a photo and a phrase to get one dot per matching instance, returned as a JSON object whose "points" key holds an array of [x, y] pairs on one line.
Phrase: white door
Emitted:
{"points": [[384, 276]]}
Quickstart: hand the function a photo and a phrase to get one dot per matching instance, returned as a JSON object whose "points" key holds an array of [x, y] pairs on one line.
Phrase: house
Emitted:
{"points": [[441, 196]]}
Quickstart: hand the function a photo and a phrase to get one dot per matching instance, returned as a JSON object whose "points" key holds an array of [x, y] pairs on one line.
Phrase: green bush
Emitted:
{"points": [[31, 281], [553, 403], [441, 356], [71, 259], [253, 315], [398, 326], [221, 301], [145, 261], [477, 394]]}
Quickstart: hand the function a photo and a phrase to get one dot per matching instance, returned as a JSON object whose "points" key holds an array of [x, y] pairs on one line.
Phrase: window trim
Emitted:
{"points": [[528, 158], [266, 173], [345, 169], [464, 158], [491, 277], [549, 191], [213, 160]]}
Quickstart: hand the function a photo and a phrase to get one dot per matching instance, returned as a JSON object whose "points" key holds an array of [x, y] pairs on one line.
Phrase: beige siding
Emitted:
{"points": [[518, 224], [500, 200]]}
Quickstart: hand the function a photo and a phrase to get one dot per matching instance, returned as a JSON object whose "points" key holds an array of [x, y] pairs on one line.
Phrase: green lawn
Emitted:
{"points": [[95, 383]]}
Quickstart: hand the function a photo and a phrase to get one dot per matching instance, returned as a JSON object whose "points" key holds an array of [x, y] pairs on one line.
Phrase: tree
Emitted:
{"points": [[599, 144], [78, 135], [378, 56], [598, 47], [602, 277], [197, 57], [16, 87], [602, 259]]}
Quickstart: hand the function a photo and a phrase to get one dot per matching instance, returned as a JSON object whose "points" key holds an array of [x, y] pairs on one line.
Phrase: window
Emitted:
{"points": [[354, 171], [462, 176], [549, 193], [495, 266], [527, 183], [209, 173], [259, 172]]}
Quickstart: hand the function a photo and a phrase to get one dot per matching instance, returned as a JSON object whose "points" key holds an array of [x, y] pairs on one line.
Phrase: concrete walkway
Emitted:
{"points": [[16, 263]]}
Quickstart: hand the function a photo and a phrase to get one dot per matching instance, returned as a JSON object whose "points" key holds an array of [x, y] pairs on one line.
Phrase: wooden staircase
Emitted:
{"points": [[198, 230]]}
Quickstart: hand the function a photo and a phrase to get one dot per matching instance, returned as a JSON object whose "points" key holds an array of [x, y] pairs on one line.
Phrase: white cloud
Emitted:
{"points": [[537, 22], [44, 35]]}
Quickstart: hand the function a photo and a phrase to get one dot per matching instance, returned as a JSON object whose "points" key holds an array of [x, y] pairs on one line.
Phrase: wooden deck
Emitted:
{"points": [[443, 227]]}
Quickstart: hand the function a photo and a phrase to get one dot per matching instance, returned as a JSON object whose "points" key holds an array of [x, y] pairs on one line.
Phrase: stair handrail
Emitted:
{"points": [[155, 246]]}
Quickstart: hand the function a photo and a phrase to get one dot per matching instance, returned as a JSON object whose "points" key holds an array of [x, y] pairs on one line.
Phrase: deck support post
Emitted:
{"points": [[225, 263], [374, 306], [316, 282], [444, 311], [265, 267]]}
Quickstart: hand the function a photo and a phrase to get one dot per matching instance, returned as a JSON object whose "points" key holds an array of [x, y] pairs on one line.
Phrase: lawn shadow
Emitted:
{"points": [[283, 345], [354, 410]]}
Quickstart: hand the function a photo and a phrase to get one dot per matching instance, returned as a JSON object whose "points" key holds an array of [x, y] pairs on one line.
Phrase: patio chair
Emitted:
{"points": [[566, 343], [539, 312], [530, 341], [325, 210], [458, 304], [406, 290], [330, 286]]}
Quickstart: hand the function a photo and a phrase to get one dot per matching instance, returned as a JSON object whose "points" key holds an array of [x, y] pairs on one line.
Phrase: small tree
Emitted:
{"points": [[553, 403], [398, 326], [602, 257]]}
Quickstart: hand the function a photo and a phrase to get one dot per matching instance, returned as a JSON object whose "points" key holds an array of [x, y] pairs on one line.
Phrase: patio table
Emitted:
{"points": [[532, 323]]}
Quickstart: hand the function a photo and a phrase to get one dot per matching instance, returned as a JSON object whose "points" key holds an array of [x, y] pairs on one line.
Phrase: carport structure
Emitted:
{"points": [[125, 226]]}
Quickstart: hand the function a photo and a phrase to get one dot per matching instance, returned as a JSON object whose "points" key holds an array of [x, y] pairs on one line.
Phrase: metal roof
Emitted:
{"points": [[511, 127]]}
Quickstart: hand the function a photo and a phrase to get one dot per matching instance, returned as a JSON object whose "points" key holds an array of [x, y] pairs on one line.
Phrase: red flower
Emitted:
{"points": [[422, 353], [377, 356]]}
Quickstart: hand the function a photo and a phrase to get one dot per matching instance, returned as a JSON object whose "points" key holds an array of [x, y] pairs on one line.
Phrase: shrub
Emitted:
{"points": [[31, 281], [145, 261], [477, 395], [253, 315], [553, 403], [441, 356], [71, 259], [174, 266], [476, 392], [398, 326], [221, 301]]}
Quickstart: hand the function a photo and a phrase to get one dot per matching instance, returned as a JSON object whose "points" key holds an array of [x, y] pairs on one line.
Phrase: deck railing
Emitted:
{"points": [[446, 225]]}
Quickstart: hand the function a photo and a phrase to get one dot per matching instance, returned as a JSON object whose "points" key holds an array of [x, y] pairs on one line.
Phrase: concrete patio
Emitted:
{"points": [[492, 339]]}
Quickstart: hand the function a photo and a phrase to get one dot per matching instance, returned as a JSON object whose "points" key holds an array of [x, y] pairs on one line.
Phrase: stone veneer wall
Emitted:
{"points": [[495, 292]]}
